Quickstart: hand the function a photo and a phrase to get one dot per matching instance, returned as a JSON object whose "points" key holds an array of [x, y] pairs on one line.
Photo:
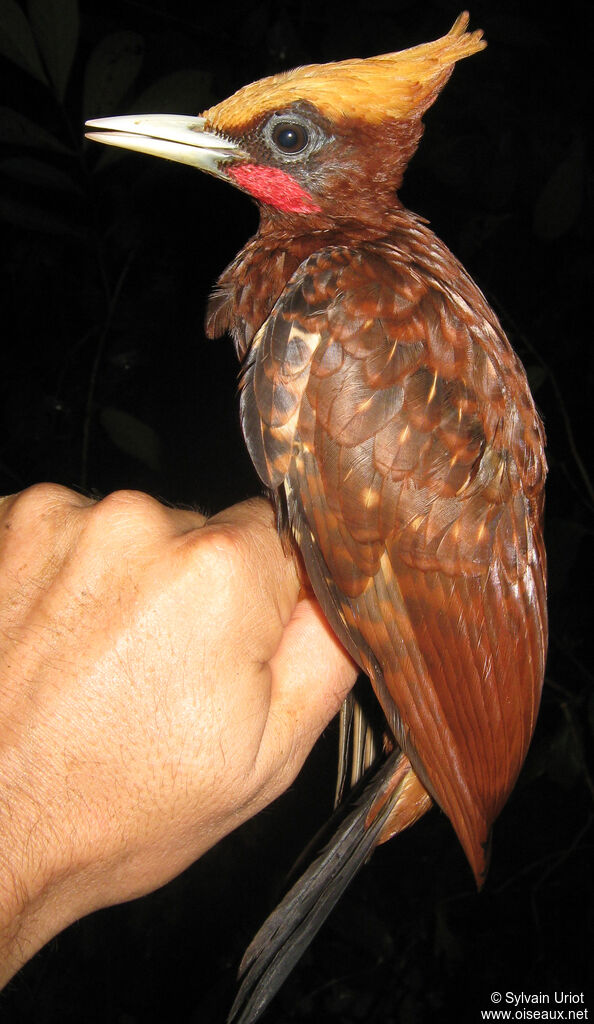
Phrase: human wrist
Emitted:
{"points": [[38, 878]]}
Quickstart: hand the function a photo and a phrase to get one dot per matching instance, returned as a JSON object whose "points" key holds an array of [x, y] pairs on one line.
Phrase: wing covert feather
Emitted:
{"points": [[394, 413]]}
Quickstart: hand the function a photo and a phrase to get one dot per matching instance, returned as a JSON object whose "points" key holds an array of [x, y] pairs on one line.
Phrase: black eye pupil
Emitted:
{"points": [[290, 138]]}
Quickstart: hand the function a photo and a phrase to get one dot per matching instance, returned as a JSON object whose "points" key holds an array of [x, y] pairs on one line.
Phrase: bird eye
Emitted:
{"points": [[290, 137]]}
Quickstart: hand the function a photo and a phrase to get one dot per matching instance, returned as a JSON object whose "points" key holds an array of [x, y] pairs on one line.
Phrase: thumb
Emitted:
{"points": [[311, 675]]}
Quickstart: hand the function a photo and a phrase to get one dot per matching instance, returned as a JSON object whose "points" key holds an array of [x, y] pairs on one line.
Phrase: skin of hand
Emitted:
{"points": [[162, 679]]}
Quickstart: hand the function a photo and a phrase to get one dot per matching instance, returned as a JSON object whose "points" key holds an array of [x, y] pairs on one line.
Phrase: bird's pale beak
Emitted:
{"points": [[176, 137]]}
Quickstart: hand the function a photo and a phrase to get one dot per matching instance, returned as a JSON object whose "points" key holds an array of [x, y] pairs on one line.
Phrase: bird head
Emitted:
{"points": [[327, 142]]}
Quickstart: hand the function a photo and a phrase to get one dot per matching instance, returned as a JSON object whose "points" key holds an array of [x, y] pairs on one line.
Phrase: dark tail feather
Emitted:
{"points": [[288, 931]]}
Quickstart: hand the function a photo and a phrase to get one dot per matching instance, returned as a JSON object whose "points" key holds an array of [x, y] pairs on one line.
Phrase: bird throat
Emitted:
{"points": [[273, 186]]}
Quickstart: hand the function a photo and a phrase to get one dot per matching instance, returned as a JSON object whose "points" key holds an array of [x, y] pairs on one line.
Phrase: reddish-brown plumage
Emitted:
{"points": [[382, 396], [385, 410]]}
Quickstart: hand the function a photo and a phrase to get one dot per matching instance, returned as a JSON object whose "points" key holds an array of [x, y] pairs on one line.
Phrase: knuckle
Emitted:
{"points": [[127, 512], [44, 500], [35, 534], [217, 558], [124, 502]]}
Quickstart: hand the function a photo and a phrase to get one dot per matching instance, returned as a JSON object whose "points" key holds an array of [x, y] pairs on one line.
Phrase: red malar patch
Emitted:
{"points": [[274, 187]]}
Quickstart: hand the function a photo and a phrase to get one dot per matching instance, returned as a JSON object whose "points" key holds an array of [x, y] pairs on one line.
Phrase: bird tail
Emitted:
{"points": [[389, 803]]}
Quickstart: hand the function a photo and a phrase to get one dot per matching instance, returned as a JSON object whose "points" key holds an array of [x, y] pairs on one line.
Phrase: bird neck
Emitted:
{"points": [[249, 287]]}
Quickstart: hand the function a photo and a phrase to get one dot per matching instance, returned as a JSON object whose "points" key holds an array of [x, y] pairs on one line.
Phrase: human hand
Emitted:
{"points": [[161, 680]]}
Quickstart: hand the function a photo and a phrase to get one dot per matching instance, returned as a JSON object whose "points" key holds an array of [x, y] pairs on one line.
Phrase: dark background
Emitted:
{"points": [[107, 381]]}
